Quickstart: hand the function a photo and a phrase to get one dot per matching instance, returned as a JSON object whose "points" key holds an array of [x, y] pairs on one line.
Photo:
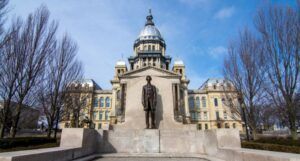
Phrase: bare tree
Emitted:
{"points": [[243, 68], [9, 68], [62, 68], [76, 104], [279, 27], [36, 41]]}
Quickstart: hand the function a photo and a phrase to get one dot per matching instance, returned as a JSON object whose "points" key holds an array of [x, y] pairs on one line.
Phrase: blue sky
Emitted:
{"points": [[196, 31]]}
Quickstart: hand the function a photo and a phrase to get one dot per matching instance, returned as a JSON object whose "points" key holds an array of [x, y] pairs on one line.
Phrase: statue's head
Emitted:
{"points": [[148, 78]]}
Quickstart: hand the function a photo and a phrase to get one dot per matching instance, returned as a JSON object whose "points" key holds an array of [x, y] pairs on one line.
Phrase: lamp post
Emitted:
{"points": [[242, 105]]}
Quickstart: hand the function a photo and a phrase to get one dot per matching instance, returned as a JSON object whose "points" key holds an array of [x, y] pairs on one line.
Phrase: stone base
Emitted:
{"points": [[166, 141]]}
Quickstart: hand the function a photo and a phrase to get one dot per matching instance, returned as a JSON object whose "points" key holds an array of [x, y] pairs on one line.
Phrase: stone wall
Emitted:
{"points": [[77, 143]]}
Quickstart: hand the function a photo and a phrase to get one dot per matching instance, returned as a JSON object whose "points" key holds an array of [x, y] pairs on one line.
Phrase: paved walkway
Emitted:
{"points": [[150, 159]]}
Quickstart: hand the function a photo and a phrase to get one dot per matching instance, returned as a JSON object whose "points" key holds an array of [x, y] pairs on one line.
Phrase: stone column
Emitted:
{"points": [[186, 104]]}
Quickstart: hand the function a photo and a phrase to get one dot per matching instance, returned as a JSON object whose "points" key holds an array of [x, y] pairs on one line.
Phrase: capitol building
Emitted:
{"points": [[177, 106]]}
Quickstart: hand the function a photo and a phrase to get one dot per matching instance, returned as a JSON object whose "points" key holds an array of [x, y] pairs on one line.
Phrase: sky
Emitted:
{"points": [[195, 31]]}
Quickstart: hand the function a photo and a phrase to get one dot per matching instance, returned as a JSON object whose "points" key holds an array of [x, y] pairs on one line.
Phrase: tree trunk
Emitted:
{"points": [[2, 126], [56, 124], [13, 130], [49, 130], [254, 134]]}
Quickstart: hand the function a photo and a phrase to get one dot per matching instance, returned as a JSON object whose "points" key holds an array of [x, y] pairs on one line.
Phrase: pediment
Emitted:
{"points": [[152, 71]]}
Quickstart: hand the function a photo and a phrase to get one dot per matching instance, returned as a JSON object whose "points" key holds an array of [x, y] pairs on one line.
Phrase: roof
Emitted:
{"points": [[90, 82], [214, 81]]}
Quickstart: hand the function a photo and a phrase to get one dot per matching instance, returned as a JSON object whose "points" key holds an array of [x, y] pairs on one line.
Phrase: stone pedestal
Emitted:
{"points": [[134, 113]]}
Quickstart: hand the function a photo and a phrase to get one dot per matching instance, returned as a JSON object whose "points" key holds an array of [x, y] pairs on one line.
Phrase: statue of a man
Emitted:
{"points": [[149, 102]]}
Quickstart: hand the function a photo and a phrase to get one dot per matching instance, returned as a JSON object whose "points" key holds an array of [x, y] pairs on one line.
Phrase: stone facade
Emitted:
{"points": [[204, 108]]}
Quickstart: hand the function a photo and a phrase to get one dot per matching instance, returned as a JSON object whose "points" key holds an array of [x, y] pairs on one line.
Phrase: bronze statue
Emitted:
{"points": [[149, 102]]}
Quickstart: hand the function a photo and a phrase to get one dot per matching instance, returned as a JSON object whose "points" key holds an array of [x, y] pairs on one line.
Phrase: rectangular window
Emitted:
{"points": [[199, 115], [205, 115], [199, 126], [216, 102], [217, 115], [225, 115], [100, 115], [206, 126], [99, 126], [107, 115], [95, 115]]}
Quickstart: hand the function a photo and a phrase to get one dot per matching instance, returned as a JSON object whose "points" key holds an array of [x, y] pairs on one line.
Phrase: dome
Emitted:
{"points": [[178, 62], [120, 63], [150, 32]]}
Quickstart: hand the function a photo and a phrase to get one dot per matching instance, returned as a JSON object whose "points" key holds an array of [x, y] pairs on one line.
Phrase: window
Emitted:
{"points": [[216, 102], [144, 64], [205, 115], [149, 47], [107, 115], [197, 103], [107, 102], [215, 87], [219, 125], [95, 102], [217, 115], [199, 115], [225, 115], [95, 115], [227, 126], [195, 115], [223, 101], [191, 103], [203, 102], [100, 115], [101, 102], [233, 125], [99, 126], [199, 126], [153, 47], [206, 126]]}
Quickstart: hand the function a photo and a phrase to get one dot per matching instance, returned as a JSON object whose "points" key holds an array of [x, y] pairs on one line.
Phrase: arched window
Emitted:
{"points": [[149, 47], [100, 115], [95, 102], [153, 47], [203, 99], [197, 103], [101, 102], [227, 126], [107, 102], [191, 103]]}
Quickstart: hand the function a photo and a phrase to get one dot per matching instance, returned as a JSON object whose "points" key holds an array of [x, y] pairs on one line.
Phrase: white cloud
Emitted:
{"points": [[225, 13], [217, 51]]}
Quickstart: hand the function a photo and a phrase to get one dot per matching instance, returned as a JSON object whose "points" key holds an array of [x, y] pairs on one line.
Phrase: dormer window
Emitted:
{"points": [[214, 86]]}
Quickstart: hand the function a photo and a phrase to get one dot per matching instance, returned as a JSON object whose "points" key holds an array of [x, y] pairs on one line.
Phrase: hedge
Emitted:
{"points": [[279, 141], [271, 147], [24, 142]]}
